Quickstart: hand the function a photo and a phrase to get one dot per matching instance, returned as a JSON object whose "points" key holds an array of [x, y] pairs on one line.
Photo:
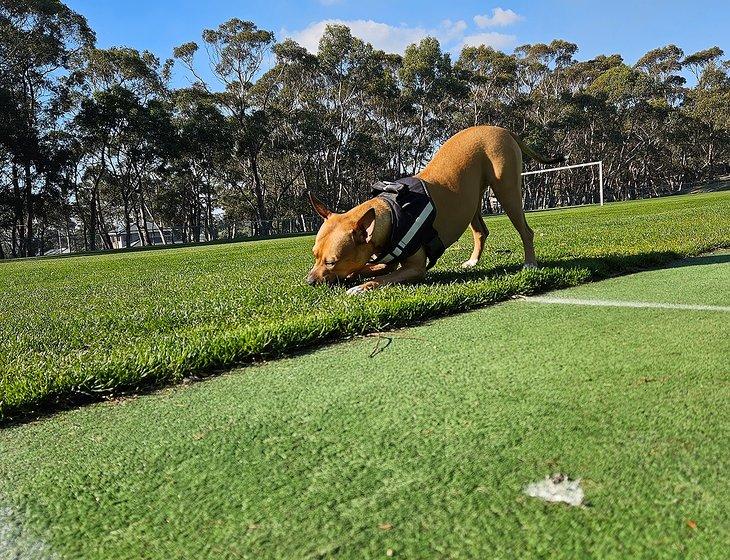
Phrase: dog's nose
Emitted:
{"points": [[311, 280]]}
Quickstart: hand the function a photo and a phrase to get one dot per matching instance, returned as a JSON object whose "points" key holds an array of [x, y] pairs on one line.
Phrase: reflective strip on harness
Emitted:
{"points": [[403, 243]]}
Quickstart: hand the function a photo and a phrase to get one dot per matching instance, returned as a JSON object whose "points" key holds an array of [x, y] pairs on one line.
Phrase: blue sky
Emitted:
{"points": [[629, 28]]}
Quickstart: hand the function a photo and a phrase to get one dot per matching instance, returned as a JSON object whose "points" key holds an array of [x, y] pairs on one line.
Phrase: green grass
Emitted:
{"points": [[665, 285], [434, 438], [98, 325]]}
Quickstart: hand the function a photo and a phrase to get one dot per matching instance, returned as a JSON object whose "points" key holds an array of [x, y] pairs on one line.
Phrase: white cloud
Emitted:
{"points": [[498, 41], [499, 18], [382, 36], [395, 38], [452, 29]]}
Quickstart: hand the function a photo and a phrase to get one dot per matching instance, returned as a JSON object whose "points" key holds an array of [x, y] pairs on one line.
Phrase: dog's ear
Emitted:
{"points": [[365, 226], [319, 206]]}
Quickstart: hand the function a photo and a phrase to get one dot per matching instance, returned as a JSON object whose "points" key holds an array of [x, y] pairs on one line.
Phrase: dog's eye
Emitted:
{"points": [[330, 263]]}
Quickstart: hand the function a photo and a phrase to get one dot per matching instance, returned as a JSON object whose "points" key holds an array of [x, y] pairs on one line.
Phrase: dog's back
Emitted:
{"points": [[463, 168]]}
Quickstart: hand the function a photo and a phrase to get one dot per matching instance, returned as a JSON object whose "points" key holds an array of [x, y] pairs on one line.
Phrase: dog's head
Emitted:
{"points": [[343, 245]]}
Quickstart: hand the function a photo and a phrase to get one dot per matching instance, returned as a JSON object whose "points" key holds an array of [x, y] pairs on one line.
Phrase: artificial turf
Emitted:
{"points": [[666, 285], [100, 324], [422, 449]]}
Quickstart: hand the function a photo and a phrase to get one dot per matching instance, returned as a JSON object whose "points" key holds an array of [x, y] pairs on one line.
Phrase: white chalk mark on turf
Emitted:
{"points": [[619, 303], [15, 543], [557, 488]]}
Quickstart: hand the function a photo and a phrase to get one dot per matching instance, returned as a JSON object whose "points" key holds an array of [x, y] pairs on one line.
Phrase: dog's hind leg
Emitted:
{"points": [[508, 191], [480, 232]]}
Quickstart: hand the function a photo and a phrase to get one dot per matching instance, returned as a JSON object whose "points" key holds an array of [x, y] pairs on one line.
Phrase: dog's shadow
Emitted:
{"points": [[599, 267], [463, 275]]}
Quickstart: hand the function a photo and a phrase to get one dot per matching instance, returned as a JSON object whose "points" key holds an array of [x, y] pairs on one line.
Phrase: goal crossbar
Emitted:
{"points": [[600, 173]]}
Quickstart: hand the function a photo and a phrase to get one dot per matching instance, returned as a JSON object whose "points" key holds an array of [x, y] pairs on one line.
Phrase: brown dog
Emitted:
{"points": [[348, 244]]}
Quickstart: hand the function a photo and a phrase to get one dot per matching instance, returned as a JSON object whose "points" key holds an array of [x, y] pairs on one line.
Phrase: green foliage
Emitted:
{"points": [[699, 60], [97, 325], [41, 43], [617, 84], [139, 72], [662, 62]]}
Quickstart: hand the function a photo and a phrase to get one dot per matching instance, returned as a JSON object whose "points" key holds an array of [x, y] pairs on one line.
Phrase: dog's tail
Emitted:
{"points": [[559, 158]]}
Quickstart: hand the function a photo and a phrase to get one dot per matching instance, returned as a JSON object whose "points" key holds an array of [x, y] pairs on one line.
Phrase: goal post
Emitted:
{"points": [[564, 167]]}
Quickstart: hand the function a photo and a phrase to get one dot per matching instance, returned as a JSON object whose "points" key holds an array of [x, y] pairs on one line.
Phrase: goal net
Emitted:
{"points": [[558, 187]]}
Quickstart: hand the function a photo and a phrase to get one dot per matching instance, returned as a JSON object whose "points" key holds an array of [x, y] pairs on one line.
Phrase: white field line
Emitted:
{"points": [[15, 543], [619, 303]]}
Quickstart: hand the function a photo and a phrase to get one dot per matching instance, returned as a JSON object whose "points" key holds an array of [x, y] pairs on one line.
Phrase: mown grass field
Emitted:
{"points": [[101, 324], [422, 448]]}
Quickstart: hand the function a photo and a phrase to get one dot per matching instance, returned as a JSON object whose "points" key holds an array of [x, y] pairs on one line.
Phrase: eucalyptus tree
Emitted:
{"points": [[622, 90], [346, 65], [430, 86], [663, 65], [708, 106], [290, 89], [658, 119], [64, 161], [40, 42], [236, 52], [491, 79], [121, 120], [199, 170], [139, 72], [586, 125], [542, 71], [392, 113], [99, 120]]}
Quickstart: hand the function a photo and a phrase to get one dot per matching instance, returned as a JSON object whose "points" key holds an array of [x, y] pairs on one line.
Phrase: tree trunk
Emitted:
{"points": [[710, 156], [127, 221], [14, 240], [29, 248], [211, 229], [42, 240], [155, 225], [140, 231], [66, 215], [103, 230], [259, 192], [127, 227], [95, 200], [17, 236], [92, 218]]}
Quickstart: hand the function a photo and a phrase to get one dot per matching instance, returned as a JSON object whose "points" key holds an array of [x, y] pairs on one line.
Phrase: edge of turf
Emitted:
{"points": [[202, 357]]}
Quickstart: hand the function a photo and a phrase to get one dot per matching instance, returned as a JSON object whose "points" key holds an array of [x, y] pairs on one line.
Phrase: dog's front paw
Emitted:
{"points": [[529, 266], [362, 288], [471, 263]]}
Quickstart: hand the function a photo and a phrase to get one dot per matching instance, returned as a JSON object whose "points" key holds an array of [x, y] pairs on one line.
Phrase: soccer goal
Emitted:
{"points": [[567, 185]]}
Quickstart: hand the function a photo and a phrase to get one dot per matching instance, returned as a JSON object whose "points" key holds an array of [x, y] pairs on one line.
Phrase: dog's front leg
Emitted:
{"points": [[411, 270], [370, 270]]}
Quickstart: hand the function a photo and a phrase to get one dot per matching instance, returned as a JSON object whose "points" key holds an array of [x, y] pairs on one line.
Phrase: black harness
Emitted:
{"points": [[412, 214]]}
